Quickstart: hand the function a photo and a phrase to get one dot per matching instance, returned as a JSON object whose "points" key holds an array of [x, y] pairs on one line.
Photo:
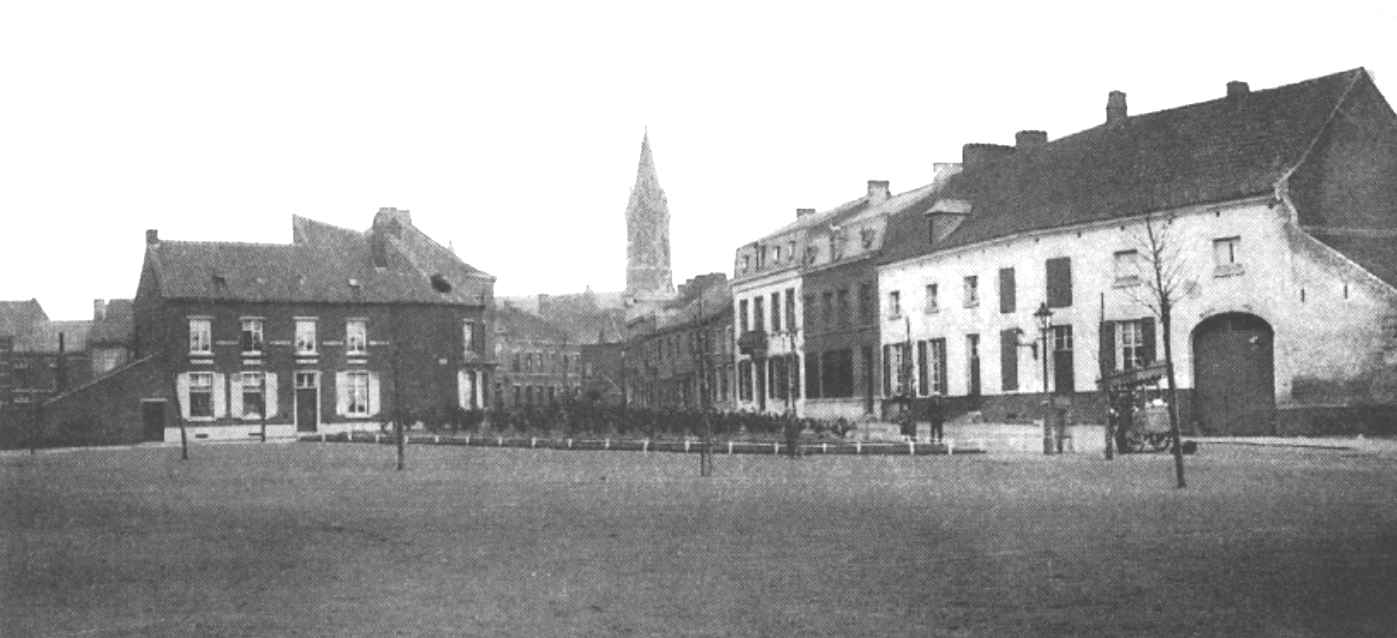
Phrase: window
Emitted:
{"points": [[742, 315], [1227, 257], [812, 376], [1126, 264], [744, 380], [827, 308], [356, 336], [791, 309], [472, 338], [517, 364], [808, 310], [252, 395], [1059, 282], [972, 359], [897, 369], [867, 310], [842, 303], [201, 395], [894, 304], [791, 250], [837, 368], [251, 334], [357, 393], [776, 254], [1133, 345], [1063, 372], [1007, 292], [931, 366], [1389, 330], [746, 265], [201, 336], [305, 336], [932, 304], [776, 312], [972, 291], [758, 316]]}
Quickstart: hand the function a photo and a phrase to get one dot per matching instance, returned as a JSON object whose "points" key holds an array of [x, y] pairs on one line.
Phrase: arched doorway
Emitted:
{"points": [[1234, 375]]}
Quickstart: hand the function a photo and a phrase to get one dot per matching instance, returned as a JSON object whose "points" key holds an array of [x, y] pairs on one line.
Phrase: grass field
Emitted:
{"points": [[327, 540]]}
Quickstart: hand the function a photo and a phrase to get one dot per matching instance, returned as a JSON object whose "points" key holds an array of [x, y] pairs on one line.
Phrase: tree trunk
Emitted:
{"points": [[1166, 323]]}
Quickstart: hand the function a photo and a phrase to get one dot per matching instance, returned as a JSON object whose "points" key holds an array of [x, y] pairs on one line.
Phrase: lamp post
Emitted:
{"points": [[1045, 317]]}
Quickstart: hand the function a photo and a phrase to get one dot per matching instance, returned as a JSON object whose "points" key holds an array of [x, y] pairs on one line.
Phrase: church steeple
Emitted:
{"points": [[648, 273]]}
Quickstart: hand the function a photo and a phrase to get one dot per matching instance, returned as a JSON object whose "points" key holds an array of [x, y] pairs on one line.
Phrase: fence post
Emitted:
{"points": [[912, 448], [645, 446], [858, 447], [606, 443], [686, 446], [776, 448], [729, 447]]}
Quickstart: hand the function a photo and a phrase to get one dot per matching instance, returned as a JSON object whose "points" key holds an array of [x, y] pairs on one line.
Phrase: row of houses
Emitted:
{"points": [[1025, 275]]}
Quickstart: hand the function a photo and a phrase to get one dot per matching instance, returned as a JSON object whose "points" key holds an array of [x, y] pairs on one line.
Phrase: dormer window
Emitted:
{"points": [[440, 284]]}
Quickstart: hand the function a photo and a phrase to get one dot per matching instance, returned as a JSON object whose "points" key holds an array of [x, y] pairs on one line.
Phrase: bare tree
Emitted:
{"points": [[1162, 283]]}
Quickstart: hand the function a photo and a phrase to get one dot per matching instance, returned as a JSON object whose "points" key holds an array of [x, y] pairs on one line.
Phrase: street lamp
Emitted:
{"points": [[1045, 317]]}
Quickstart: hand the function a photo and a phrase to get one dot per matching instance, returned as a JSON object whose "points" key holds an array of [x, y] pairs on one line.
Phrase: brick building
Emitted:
{"points": [[335, 331], [539, 361], [682, 349]]}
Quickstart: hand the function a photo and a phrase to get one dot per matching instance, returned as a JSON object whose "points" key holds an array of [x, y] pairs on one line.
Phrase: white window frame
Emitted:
{"points": [[1227, 254], [200, 335], [971, 290], [252, 382], [356, 336], [932, 304], [302, 326], [467, 337], [195, 387], [894, 304], [256, 326], [357, 405], [1130, 345], [1126, 267]]}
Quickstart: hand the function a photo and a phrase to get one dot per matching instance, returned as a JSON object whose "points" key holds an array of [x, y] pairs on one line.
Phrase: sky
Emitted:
{"points": [[512, 130]]}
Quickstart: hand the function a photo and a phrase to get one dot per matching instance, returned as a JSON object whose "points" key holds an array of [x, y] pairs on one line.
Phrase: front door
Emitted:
{"points": [[1064, 379], [153, 420], [868, 365], [307, 401]]}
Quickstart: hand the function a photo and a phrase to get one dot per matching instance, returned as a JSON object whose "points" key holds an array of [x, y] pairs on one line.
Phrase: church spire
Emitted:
{"points": [[648, 273]]}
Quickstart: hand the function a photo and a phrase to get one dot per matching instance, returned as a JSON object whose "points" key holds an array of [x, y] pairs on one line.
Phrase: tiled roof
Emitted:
{"points": [[1201, 153], [21, 317], [520, 324], [1374, 253], [318, 267], [45, 337], [836, 214]]}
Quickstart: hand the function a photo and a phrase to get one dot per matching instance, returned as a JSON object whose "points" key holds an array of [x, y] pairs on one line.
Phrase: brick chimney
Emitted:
{"points": [[1030, 139], [802, 212], [976, 156], [1115, 108], [152, 237], [878, 191], [99, 309], [1237, 90]]}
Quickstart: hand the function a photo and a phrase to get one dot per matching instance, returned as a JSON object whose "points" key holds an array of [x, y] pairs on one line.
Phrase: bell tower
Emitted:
{"points": [[648, 276]]}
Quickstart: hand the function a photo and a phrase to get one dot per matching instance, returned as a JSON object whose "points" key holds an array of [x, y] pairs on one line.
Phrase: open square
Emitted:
{"points": [[314, 539]]}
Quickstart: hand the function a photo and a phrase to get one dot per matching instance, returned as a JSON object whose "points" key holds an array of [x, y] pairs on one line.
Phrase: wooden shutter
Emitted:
{"points": [[922, 388], [1059, 277], [220, 396], [373, 394], [1147, 353], [1008, 359], [235, 395], [1108, 348], [887, 371], [270, 395], [341, 393], [1007, 293], [182, 390]]}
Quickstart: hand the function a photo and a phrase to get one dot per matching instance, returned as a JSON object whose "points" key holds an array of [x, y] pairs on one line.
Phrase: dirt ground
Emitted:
{"points": [[327, 540]]}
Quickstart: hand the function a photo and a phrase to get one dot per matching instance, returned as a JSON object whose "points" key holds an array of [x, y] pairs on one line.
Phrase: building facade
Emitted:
{"points": [[540, 363], [339, 330], [1034, 272]]}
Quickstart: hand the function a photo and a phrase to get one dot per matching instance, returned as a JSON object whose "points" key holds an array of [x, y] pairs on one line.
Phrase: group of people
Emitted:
{"points": [[934, 413]]}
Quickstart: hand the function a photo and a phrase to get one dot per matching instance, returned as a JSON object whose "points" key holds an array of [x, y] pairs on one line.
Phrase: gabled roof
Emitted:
{"points": [[21, 317], [1214, 151], [837, 214], [319, 266], [45, 337], [1374, 253]]}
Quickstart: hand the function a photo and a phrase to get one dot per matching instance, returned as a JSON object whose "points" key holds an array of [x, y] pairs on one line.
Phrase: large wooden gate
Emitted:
{"points": [[1234, 375]]}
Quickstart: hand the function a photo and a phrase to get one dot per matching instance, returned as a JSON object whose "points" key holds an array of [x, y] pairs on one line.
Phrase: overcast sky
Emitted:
{"points": [[512, 129]]}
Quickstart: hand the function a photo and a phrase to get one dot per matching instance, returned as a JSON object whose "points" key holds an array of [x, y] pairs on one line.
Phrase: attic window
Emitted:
{"points": [[220, 282], [440, 284]]}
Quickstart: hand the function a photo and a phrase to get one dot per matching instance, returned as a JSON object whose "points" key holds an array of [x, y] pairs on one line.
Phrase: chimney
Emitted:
{"points": [[878, 191], [1030, 139], [99, 309], [1115, 108], [152, 237], [1237, 90], [975, 156], [802, 212]]}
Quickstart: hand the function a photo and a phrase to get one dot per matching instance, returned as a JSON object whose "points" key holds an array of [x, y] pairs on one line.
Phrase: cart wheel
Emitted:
{"points": [[1159, 442]]}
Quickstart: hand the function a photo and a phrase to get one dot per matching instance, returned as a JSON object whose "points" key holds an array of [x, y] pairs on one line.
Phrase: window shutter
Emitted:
{"points": [[270, 395], [1008, 360], [463, 389], [1108, 348], [220, 396], [182, 390], [887, 371], [373, 394], [235, 395], [1147, 336], [1007, 292], [341, 393], [1059, 276], [922, 388]]}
